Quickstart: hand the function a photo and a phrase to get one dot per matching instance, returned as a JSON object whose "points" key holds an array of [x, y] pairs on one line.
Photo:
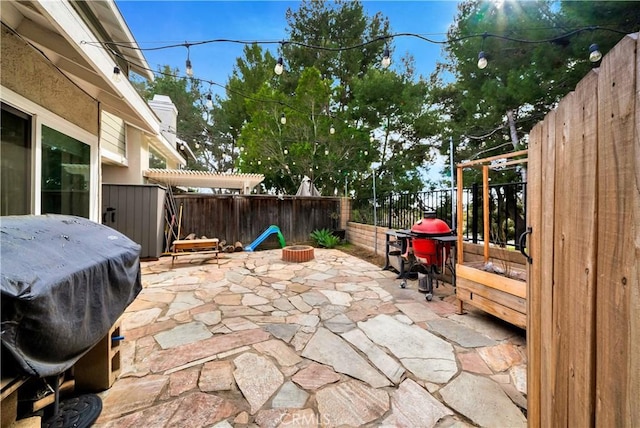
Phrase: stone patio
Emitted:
{"points": [[330, 342]]}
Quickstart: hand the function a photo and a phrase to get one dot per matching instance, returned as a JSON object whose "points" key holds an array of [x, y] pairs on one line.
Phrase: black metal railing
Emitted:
{"points": [[507, 211]]}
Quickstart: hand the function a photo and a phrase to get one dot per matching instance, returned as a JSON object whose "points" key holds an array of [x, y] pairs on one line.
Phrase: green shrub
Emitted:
{"points": [[324, 238]]}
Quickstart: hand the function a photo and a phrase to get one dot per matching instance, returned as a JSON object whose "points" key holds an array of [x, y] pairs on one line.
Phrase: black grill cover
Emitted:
{"points": [[65, 280]]}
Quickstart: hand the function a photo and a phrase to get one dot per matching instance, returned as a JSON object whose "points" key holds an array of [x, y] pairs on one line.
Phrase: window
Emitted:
{"points": [[15, 188], [156, 160], [65, 174]]}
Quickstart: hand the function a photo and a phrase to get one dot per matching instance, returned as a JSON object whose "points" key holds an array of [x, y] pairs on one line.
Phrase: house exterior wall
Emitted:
{"points": [[137, 161], [34, 86], [27, 73]]}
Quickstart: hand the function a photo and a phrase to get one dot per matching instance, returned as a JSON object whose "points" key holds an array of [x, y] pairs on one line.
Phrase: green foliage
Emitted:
{"points": [[491, 111], [324, 238]]}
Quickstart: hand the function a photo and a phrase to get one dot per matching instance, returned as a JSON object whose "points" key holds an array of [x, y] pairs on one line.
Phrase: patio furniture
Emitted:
{"points": [[185, 247]]}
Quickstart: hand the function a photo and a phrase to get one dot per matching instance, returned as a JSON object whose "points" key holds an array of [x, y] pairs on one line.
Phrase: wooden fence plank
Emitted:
{"points": [[561, 293], [618, 341], [579, 262], [546, 266], [534, 300]]}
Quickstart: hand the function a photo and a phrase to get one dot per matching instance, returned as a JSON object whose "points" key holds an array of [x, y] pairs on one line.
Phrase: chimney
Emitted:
{"points": [[164, 108]]}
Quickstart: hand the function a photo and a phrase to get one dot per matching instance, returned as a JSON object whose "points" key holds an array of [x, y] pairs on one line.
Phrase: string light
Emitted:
{"points": [[209, 100], [283, 119], [332, 130], [482, 60], [286, 152], [197, 145], [386, 58], [279, 68], [188, 64], [594, 53], [117, 75]]}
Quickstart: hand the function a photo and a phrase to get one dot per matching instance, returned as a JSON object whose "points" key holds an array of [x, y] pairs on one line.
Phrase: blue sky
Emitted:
{"points": [[157, 23]]}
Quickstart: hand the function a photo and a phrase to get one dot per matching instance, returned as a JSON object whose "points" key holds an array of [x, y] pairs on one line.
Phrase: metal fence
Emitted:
{"points": [[507, 211]]}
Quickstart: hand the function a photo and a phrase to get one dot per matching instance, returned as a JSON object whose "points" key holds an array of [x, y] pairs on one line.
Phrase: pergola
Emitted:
{"points": [[244, 183]]}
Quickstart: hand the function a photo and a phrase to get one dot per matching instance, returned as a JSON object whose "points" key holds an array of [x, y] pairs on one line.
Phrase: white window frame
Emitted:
{"points": [[41, 116]]}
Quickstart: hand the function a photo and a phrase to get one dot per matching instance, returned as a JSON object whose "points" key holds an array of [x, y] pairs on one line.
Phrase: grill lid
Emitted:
{"points": [[431, 226]]}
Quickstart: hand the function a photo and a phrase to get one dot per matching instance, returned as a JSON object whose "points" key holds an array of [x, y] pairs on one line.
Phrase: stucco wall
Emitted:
{"points": [[26, 72]]}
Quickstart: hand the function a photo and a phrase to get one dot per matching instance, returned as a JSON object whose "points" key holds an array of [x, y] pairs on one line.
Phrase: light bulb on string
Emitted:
{"points": [[209, 101], [188, 63], [279, 68], [117, 74], [594, 53], [371, 139], [326, 152], [386, 58], [283, 119], [286, 152], [482, 60], [197, 145], [332, 130]]}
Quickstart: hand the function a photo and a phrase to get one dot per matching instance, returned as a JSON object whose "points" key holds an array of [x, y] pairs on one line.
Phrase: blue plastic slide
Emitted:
{"points": [[264, 235]]}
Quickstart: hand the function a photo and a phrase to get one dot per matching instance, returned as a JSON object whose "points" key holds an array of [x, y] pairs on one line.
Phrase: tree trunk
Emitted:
{"points": [[515, 140]]}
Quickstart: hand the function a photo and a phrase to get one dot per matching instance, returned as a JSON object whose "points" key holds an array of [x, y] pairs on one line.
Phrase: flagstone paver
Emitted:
{"points": [[257, 377], [334, 341], [483, 401], [386, 364], [351, 403], [216, 376], [290, 397], [464, 336], [182, 335], [277, 349], [502, 356], [315, 376], [327, 348], [413, 406], [426, 355]]}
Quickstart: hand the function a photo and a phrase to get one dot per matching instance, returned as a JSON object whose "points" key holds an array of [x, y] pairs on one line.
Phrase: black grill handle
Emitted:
{"points": [[521, 243]]}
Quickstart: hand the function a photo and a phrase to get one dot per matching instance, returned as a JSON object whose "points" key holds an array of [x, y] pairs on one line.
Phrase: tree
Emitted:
{"points": [[393, 105], [332, 27], [227, 116], [186, 95], [304, 144], [488, 111]]}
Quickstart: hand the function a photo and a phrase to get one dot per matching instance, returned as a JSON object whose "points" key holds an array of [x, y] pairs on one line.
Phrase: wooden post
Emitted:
{"points": [[179, 222], [485, 210], [460, 227]]}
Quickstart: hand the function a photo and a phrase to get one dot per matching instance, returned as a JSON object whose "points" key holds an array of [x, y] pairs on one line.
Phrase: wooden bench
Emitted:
{"points": [[183, 247]]}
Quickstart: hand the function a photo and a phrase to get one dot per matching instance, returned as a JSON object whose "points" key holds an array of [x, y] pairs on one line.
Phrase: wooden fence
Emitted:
{"points": [[584, 286], [244, 217]]}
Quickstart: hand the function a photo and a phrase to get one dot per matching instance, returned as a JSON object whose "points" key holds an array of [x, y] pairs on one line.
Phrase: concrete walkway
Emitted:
{"points": [[330, 342]]}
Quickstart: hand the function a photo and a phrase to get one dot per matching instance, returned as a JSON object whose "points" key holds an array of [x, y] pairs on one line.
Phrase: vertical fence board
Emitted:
{"points": [[561, 293], [618, 344], [534, 296], [546, 265], [580, 267]]}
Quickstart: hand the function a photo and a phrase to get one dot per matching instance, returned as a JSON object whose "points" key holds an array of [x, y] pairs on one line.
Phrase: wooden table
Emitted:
{"points": [[183, 247]]}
